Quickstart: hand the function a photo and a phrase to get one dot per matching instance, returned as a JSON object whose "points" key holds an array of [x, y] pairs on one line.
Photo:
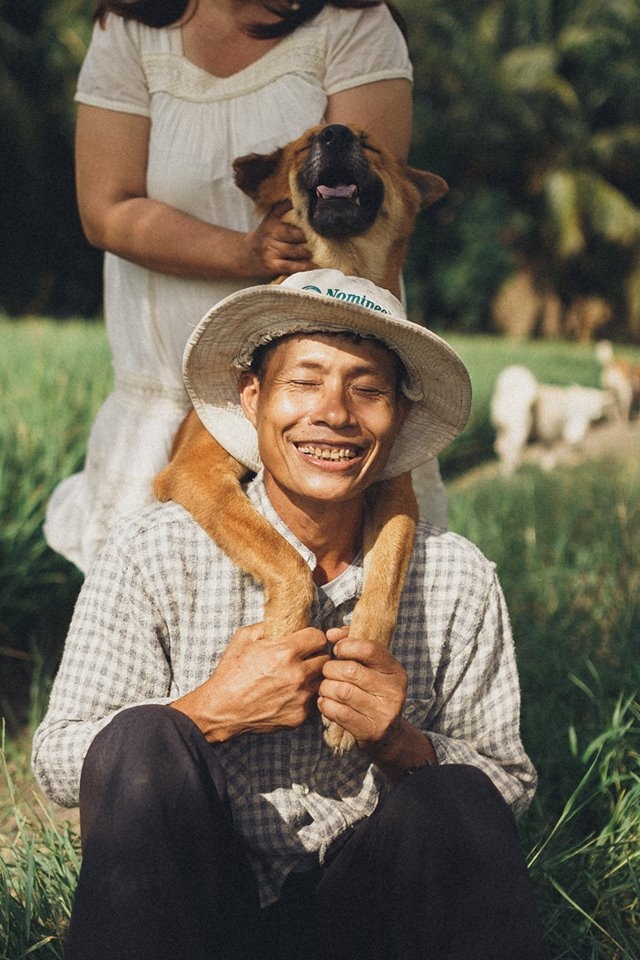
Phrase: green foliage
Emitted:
{"points": [[535, 104], [46, 262], [586, 865]]}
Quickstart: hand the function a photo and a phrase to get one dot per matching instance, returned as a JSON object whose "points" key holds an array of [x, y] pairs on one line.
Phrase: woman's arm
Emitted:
{"points": [[118, 216], [383, 109]]}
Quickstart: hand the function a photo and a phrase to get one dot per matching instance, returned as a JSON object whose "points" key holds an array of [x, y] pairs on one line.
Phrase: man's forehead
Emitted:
{"points": [[299, 345]]}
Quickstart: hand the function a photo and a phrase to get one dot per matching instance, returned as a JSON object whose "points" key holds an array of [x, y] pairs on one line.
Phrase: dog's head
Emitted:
{"points": [[340, 184]]}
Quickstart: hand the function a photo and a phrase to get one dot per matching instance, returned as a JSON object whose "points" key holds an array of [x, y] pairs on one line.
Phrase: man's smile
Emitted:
{"points": [[328, 451]]}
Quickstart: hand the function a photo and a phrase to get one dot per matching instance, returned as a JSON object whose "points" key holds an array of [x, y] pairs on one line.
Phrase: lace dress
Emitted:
{"points": [[199, 124]]}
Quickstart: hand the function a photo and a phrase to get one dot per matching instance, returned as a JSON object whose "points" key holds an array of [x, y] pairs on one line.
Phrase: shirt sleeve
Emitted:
{"points": [[364, 46], [115, 656], [112, 76], [475, 717]]}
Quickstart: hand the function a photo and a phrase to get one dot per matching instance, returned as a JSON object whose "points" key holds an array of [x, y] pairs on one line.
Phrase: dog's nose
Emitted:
{"points": [[337, 135]]}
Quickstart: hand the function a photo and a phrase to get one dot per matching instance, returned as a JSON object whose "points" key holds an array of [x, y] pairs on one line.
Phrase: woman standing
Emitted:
{"points": [[169, 95]]}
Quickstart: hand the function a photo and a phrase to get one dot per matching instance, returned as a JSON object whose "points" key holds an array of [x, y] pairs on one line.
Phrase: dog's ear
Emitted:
{"points": [[250, 172], [429, 185]]}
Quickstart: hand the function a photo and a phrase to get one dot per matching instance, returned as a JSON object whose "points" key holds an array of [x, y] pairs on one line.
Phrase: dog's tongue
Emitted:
{"points": [[343, 191]]}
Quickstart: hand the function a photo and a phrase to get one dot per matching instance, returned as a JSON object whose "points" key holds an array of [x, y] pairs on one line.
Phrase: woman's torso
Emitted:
{"points": [[199, 124]]}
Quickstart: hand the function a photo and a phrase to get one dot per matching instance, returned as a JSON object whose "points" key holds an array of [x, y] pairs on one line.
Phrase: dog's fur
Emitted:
{"points": [[621, 377], [523, 409], [356, 206]]}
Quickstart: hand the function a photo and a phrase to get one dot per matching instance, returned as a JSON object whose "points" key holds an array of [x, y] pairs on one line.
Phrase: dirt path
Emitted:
{"points": [[617, 440]]}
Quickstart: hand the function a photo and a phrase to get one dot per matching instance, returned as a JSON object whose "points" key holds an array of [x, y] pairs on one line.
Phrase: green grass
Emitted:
{"points": [[567, 548], [38, 872], [53, 377]]}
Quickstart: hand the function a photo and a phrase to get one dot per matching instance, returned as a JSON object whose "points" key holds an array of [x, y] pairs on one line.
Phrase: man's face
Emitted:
{"points": [[327, 411]]}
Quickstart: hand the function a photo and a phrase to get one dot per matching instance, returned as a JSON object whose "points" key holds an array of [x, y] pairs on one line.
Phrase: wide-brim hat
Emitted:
{"points": [[324, 301]]}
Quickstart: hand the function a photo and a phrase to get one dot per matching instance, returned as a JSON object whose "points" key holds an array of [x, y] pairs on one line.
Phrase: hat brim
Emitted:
{"points": [[439, 382]]}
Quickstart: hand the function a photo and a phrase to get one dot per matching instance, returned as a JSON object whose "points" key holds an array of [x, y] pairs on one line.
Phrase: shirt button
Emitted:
{"points": [[302, 789]]}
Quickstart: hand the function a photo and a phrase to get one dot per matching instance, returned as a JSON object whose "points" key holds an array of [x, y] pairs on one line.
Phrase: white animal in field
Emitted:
{"points": [[512, 414], [524, 409]]}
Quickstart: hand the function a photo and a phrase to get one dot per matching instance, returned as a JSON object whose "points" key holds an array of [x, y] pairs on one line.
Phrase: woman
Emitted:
{"points": [[168, 96]]}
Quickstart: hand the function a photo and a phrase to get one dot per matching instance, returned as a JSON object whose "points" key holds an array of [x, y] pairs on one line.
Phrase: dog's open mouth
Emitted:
{"points": [[341, 192], [343, 189]]}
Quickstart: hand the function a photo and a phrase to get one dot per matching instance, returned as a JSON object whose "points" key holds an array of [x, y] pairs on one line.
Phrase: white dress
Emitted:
{"points": [[199, 124]]}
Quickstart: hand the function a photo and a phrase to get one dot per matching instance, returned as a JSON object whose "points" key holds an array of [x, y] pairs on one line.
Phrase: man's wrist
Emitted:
{"points": [[402, 751]]}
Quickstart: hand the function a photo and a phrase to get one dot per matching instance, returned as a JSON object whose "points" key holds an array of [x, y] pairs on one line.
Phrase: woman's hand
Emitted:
{"points": [[277, 247]]}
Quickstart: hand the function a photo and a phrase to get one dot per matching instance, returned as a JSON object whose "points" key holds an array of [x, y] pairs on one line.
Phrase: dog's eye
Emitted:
{"points": [[364, 143]]}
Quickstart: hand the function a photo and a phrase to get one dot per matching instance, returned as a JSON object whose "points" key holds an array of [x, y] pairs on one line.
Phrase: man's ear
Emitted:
{"points": [[249, 390], [403, 409]]}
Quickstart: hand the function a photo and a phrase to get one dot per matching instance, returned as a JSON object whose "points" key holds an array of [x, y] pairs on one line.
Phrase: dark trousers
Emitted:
{"points": [[436, 873]]}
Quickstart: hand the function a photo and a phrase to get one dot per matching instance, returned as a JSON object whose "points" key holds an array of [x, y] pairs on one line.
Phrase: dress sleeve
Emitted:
{"points": [[112, 76], [364, 46]]}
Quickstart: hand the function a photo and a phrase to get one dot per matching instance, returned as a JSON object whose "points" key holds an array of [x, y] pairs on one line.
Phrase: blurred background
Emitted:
{"points": [[530, 109]]}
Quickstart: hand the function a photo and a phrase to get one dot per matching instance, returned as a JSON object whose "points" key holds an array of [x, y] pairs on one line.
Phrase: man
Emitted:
{"points": [[216, 823]]}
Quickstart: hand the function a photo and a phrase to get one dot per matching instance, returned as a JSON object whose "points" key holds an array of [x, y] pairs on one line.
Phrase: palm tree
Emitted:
{"points": [[533, 105]]}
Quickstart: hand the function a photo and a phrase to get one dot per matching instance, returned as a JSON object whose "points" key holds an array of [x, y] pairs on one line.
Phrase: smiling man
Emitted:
{"points": [[216, 822]]}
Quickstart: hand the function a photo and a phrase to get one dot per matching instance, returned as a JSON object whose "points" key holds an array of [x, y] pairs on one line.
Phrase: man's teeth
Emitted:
{"points": [[333, 453]]}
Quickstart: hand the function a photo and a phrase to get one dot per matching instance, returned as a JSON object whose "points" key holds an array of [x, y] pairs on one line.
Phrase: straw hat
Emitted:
{"points": [[324, 301]]}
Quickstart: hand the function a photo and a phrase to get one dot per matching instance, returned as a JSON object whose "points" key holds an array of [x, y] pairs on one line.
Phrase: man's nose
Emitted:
{"points": [[334, 408]]}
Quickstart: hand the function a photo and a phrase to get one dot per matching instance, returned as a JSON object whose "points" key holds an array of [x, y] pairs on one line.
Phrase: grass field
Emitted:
{"points": [[567, 547]]}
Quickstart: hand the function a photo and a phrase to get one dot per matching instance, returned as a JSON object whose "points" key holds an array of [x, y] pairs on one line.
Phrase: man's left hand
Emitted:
{"points": [[363, 688]]}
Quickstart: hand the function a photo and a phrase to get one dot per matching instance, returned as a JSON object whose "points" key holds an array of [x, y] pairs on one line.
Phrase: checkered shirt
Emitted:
{"points": [[161, 604]]}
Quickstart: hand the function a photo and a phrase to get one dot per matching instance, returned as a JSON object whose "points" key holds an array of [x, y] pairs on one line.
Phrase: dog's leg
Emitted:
{"points": [[205, 480], [389, 537]]}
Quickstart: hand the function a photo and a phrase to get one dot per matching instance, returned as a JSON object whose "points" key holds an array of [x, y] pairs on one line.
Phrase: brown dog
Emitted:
{"points": [[621, 377], [356, 206]]}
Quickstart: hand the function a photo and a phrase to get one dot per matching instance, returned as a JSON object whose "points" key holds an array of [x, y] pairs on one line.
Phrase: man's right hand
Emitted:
{"points": [[259, 685]]}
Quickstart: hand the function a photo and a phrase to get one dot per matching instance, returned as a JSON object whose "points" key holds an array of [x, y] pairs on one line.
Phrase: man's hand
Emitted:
{"points": [[259, 685], [363, 689]]}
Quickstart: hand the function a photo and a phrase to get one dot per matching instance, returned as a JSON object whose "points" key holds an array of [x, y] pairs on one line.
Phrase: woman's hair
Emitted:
{"points": [[290, 13]]}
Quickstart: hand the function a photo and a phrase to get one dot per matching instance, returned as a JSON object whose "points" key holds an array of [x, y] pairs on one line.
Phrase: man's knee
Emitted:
{"points": [[455, 807], [454, 786], [134, 733], [143, 752]]}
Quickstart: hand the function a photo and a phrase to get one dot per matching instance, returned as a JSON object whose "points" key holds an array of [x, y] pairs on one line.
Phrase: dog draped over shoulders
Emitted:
{"points": [[356, 205]]}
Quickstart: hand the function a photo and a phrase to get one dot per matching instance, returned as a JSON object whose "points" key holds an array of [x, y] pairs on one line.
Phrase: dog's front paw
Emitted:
{"points": [[337, 738]]}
